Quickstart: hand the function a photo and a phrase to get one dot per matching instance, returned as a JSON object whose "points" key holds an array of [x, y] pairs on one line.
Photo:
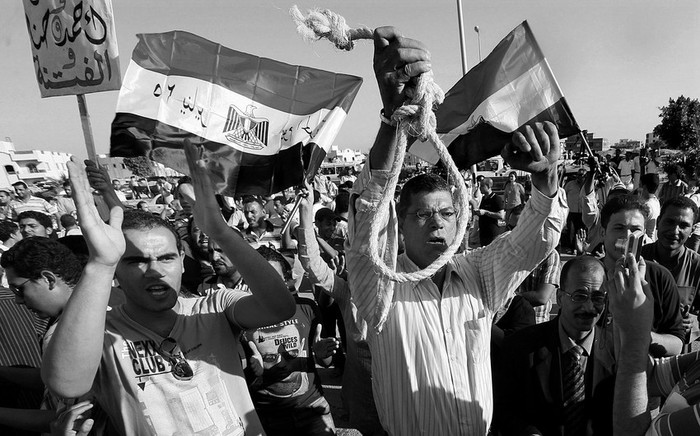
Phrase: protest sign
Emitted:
{"points": [[74, 46]]}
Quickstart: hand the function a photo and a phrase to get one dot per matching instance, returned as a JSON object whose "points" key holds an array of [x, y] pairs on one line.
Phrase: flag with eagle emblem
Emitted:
{"points": [[262, 125]]}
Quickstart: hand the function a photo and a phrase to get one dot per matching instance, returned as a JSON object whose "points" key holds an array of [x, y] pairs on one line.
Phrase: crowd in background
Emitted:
{"points": [[213, 315]]}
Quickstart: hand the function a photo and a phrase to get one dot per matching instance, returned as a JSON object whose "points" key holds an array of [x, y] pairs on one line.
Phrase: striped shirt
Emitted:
{"points": [[19, 340], [430, 363], [546, 272], [676, 379], [34, 203]]}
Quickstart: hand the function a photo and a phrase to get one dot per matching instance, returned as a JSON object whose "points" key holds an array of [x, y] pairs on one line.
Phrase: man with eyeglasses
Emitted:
{"points": [[160, 364], [41, 274], [556, 376], [431, 372]]}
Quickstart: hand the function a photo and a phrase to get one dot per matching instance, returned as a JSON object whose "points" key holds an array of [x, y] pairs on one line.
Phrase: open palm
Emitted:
{"points": [[105, 240]]}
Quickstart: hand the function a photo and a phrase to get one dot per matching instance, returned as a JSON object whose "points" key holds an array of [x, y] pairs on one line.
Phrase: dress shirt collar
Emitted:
{"points": [[567, 343]]}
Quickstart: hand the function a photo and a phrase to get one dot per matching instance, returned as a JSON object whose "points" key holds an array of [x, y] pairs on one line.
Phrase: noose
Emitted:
{"points": [[415, 118]]}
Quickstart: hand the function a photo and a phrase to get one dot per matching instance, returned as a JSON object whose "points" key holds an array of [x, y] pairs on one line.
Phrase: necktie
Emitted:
{"points": [[574, 393]]}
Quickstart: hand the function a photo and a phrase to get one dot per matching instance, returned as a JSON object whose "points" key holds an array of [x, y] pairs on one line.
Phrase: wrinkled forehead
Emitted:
{"points": [[151, 241], [433, 199]]}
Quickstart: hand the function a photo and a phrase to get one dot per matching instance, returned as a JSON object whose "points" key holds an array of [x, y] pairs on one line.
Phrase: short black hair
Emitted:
{"points": [[622, 203], [680, 202], [272, 255], [29, 257], [417, 185], [68, 220], [40, 217], [342, 202], [141, 220], [7, 228], [19, 182], [650, 181], [252, 199]]}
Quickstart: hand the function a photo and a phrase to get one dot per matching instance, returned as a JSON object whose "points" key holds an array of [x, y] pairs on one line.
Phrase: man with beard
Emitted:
{"points": [[160, 364], [282, 374], [557, 375], [226, 276]]}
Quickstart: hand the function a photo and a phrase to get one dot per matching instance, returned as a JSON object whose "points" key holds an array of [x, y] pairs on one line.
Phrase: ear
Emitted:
{"points": [[602, 232], [50, 277], [559, 291], [182, 261], [49, 230]]}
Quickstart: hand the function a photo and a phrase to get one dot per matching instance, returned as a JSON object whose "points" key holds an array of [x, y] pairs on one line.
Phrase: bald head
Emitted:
{"points": [[582, 266]]}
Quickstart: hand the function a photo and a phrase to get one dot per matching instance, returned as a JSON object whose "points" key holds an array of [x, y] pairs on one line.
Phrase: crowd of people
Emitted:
{"points": [[214, 316]]}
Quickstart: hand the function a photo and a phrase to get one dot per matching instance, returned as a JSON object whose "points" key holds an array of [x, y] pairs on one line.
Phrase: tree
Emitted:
{"points": [[680, 123], [680, 130], [140, 166]]}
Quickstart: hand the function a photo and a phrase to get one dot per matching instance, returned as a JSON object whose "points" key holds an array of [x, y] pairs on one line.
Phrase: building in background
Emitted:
{"points": [[30, 166]]}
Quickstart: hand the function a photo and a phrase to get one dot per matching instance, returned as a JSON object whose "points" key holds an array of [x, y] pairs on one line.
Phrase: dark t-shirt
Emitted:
{"points": [[488, 227], [667, 302], [289, 379]]}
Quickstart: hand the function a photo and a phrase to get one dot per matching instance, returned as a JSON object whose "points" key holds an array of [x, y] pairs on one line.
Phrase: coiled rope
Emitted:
{"points": [[415, 118]]}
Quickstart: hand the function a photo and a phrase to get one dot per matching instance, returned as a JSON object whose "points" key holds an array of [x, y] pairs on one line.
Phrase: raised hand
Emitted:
{"points": [[536, 151], [205, 209], [98, 177], [73, 421], [324, 348], [631, 302], [105, 240], [397, 61], [256, 360]]}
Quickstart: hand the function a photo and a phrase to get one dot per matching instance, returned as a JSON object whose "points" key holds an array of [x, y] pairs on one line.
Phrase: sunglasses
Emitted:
{"points": [[181, 370], [17, 289], [579, 297]]}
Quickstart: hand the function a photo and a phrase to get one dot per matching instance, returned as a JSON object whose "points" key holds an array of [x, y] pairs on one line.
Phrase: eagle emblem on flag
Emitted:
{"points": [[246, 130]]}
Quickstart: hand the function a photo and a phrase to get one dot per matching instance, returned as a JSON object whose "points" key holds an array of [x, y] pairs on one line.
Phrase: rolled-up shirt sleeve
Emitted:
{"points": [[505, 263], [370, 290]]}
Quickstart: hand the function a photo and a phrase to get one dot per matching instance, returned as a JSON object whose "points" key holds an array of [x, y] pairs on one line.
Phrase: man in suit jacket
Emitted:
{"points": [[530, 389]]}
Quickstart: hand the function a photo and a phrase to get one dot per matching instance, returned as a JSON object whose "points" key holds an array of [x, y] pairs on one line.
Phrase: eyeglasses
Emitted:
{"points": [[17, 289], [448, 214], [579, 297], [181, 370]]}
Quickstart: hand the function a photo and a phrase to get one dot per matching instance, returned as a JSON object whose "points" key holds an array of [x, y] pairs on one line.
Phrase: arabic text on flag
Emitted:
{"points": [[262, 125]]}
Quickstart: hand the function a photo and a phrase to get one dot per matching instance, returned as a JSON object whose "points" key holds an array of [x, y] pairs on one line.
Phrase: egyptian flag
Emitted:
{"points": [[512, 87], [262, 125]]}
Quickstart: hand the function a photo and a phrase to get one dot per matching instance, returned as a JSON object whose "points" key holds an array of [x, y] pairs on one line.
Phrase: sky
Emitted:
{"points": [[616, 62]]}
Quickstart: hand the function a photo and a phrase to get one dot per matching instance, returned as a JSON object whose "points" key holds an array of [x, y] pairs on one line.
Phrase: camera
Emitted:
{"points": [[631, 244]]}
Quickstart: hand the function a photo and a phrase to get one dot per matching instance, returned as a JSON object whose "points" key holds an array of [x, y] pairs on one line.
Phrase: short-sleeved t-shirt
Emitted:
{"points": [[488, 227], [137, 389], [288, 380], [667, 309]]}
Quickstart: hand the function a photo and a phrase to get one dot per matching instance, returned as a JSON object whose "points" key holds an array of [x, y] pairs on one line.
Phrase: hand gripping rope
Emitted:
{"points": [[414, 118]]}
